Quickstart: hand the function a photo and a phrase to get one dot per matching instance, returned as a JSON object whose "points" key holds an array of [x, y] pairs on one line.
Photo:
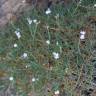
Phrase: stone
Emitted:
{"points": [[8, 8]]}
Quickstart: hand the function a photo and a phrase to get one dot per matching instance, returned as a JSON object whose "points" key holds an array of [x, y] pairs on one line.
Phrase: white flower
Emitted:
{"points": [[18, 34], [57, 43], [11, 78], [82, 37], [66, 70], [26, 66], [82, 32], [15, 45], [33, 79], [94, 5], [57, 92], [48, 42], [29, 21], [25, 55], [56, 55], [35, 21], [48, 11], [47, 27]]}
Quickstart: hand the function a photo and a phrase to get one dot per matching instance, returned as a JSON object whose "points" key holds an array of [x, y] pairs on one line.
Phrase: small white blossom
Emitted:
{"points": [[35, 21], [25, 55], [56, 55], [57, 43], [82, 37], [48, 11], [26, 66], [33, 79], [11, 78], [15, 45], [94, 5], [48, 42], [29, 21], [66, 70], [57, 92], [47, 27], [82, 32], [18, 34]]}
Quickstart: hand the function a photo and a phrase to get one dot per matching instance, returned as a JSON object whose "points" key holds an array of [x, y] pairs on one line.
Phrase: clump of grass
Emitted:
{"points": [[42, 54]]}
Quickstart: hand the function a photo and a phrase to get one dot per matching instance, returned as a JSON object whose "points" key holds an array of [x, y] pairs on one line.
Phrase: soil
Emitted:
{"points": [[10, 9]]}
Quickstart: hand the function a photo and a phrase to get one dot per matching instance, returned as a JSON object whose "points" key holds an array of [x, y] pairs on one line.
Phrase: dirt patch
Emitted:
{"points": [[8, 8]]}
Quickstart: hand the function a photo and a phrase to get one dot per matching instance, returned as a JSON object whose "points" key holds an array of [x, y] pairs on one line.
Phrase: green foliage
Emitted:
{"points": [[62, 25]]}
